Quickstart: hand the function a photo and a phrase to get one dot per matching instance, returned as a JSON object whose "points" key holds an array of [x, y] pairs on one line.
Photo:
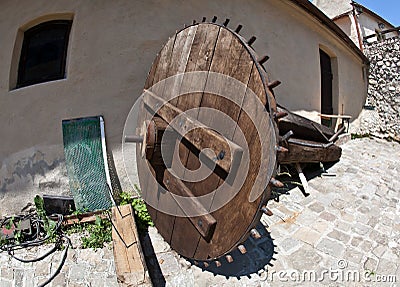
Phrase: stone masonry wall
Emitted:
{"points": [[382, 114]]}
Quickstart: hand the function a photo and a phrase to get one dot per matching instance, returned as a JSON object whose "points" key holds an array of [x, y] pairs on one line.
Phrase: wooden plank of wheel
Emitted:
{"points": [[208, 76]]}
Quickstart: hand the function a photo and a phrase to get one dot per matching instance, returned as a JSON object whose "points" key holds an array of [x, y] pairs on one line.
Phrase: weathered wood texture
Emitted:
{"points": [[128, 256], [211, 48], [88, 217], [205, 223], [199, 135], [309, 151], [303, 128]]}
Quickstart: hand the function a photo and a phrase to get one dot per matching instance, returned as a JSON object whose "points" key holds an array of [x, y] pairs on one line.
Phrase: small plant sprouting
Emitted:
{"points": [[143, 218]]}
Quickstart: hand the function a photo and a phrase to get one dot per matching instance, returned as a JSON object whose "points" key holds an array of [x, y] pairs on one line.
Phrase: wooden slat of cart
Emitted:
{"points": [[184, 228], [144, 176], [129, 260], [229, 234], [177, 64], [154, 82], [201, 55], [179, 60], [229, 59], [200, 58]]}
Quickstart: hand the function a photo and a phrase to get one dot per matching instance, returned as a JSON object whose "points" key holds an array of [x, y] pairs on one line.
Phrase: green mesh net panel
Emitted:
{"points": [[85, 160]]}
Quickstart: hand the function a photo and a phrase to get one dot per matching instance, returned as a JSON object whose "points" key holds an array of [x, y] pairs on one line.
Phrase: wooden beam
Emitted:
{"points": [[302, 127], [205, 224], [225, 153], [129, 260], [308, 151]]}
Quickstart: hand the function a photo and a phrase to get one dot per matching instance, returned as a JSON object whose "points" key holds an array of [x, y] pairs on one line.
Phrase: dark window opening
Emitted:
{"points": [[44, 52]]}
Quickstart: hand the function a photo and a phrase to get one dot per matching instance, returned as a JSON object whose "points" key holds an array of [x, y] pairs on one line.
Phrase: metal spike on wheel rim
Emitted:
{"points": [[252, 40], [281, 149], [242, 249], [276, 183], [262, 60], [274, 84], [238, 28], [226, 22], [279, 115], [266, 211], [255, 234]]}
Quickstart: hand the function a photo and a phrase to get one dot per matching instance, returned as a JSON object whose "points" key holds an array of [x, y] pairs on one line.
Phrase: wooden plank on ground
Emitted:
{"points": [[128, 256]]}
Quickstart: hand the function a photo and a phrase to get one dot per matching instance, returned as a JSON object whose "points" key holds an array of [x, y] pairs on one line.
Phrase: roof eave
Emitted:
{"points": [[365, 9], [321, 17]]}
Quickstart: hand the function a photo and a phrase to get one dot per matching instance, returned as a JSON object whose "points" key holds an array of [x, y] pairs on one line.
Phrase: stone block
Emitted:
{"points": [[61, 281], [328, 216], [288, 245], [370, 264], [316, 207], [339, 235], [306, 258], [168, 263], [361, 229], [78, 272], [331, 247], [7, 273], [307, 235], [353, 255], [5, 283]]}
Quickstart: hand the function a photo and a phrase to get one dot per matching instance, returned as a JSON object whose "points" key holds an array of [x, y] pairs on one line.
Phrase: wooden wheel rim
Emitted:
{"points": [[209, 47]]}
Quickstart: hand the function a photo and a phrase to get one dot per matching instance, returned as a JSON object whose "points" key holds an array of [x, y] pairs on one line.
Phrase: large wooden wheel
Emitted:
{"points": [[208, 91]]}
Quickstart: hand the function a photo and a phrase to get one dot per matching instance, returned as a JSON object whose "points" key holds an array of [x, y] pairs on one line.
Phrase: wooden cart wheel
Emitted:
{"points": [[194, 110]]}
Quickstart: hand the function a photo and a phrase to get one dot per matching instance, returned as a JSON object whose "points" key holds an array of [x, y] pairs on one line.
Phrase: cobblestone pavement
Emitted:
{"points": [[83, 267], [347, 226]]}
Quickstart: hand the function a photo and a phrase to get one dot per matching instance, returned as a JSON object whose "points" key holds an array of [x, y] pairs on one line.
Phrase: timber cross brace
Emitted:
{"points": [[211, 138]]}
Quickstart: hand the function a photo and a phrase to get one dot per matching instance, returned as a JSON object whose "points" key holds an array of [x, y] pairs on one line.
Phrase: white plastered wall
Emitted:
{"points": [[112, 46]]}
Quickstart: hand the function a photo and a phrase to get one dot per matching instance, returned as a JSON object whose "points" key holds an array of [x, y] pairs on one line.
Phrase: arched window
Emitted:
{"points": [[44, 52]]}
